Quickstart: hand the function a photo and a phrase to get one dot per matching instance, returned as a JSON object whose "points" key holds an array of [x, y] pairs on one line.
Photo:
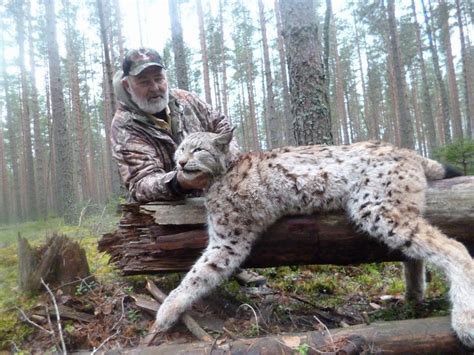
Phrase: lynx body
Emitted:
{"points": [[381, 188]]}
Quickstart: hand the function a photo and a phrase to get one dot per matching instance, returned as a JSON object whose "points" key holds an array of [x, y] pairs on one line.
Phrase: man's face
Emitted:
{"points": [[149, 89]]}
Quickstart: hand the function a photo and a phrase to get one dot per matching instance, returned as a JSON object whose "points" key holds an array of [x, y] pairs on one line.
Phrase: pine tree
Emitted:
{"points": [[309, 104], [65, 198]]}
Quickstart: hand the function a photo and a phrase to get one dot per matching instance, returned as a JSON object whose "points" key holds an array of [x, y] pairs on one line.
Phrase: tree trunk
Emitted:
{"points": [[372, 130], [406, 126], [63, 154], [467, 72], [204, 54], [340, 105], [39, 147], [453, 88], [164, 237], [31, 208], [109, 97], [428, 117], [439, 77], [274, 123], [178, 46], [289, 136], [5, 186], [224, 94], [309, 103], [77, 111], [16, 207]]}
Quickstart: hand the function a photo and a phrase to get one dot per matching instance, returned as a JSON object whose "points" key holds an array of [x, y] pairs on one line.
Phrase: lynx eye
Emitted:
{"points": [[195, 150]]}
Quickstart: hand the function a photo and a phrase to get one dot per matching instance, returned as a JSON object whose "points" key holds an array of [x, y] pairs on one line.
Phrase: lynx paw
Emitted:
{"points": [[463, 325], [167, 316]]}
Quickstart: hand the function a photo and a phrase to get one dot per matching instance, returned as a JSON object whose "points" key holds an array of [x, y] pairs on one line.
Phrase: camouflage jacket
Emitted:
{"points": [[144, 145]]}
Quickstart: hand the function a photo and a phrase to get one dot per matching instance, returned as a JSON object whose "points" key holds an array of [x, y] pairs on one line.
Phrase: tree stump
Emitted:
{"points": [[60, 262]]}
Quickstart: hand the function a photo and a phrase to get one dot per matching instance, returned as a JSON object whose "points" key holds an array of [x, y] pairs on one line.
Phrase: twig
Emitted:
{"points": [[96, 229], [48, 318], [50, 332], [105, 342], [329, 333], [83, 280], [58, 318], [83, 211], [188, 321], [254, 314], [121, 316]]}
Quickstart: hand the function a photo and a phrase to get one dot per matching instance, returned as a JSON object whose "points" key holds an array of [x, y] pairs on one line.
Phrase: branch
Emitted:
{"points": [[188, 321], [58, 318]]}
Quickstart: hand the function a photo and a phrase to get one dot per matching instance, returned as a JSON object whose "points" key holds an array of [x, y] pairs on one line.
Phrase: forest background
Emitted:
{"points": [[400, 71]]}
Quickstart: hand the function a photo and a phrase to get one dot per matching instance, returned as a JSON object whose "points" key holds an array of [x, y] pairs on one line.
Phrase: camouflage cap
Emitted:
{"points": [[136, 60]]}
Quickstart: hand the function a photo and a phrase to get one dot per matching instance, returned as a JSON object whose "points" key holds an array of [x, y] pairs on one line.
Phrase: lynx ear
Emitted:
{"points": [[223, 139]]}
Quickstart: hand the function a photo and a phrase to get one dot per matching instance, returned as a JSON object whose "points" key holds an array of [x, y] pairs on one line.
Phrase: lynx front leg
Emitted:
{"points": [[220, 259]]}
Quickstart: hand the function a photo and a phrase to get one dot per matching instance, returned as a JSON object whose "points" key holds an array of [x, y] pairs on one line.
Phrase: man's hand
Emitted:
{"points": [[190, 181]]}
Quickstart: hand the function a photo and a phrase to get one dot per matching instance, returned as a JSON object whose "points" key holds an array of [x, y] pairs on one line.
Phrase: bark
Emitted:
{"points": [[274, 128], [467, 73], [165, 237], [406, 126], [204, 54], [63, 154], [29, 174], [428, 117], [288, 136], [429, 336], [309, 103], [178, 46], [439, 77], [453, 88]]}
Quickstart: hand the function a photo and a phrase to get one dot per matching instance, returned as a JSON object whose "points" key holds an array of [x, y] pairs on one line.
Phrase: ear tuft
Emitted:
{"points": [[224, 138]]}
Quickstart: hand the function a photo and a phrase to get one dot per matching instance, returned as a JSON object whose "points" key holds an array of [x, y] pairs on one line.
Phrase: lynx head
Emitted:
{"points": [[204, 152]]}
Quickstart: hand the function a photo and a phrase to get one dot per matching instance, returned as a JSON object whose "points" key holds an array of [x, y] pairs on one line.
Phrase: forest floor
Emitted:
{"points": [[295, 299]]}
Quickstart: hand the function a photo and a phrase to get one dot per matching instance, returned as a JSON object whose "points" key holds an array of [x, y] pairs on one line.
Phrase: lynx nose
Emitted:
{"points": [[182, 162]]}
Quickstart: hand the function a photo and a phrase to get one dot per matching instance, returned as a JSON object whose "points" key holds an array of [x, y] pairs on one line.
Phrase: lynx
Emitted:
{"points": [[381, 188]]}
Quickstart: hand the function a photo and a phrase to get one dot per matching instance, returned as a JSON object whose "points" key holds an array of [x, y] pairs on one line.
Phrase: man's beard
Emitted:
{"points": [[150, 107]]}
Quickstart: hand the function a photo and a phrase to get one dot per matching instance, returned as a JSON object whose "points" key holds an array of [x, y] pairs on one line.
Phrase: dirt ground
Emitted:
{"points": [[101, 316]]}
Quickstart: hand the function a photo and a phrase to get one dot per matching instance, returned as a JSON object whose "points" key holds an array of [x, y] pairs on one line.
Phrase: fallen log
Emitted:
{"points": [[416, 336], [163, 237]]}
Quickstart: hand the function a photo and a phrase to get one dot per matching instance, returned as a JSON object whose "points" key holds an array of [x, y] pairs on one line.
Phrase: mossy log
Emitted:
{"points": [[169, 236], [60, 262], [417, 336]]}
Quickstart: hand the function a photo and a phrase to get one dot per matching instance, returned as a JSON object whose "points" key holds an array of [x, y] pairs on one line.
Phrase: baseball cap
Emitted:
{"points": [[136, 60]]}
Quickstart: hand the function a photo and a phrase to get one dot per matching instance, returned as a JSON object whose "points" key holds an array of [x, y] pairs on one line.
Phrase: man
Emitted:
{"points": [[148, 126]]}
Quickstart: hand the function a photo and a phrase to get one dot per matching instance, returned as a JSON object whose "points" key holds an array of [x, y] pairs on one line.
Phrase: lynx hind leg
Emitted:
{"points": [[414, 273], [402, 227], [220, 259]]}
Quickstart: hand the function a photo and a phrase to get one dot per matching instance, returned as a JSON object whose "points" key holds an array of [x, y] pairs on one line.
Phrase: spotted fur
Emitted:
{"points": [[382, 189]]}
